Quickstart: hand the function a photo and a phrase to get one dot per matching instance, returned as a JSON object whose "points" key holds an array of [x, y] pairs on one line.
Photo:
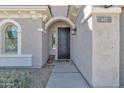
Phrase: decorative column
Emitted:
{"points": [[105, 48]]}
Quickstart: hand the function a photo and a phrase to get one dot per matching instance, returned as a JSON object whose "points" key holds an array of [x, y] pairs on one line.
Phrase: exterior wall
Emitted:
{"points": [[31, 39], [81, 47], [95, 47], [54, 29], [105, 47], [45, 47], [122, 47]]}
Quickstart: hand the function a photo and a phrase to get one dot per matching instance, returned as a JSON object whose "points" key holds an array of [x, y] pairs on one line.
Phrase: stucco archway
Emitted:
{"points": [[52, 26], [55, 19]]}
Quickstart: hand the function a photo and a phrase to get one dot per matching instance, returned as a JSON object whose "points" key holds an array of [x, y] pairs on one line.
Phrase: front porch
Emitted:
{"points": [[92, 41], [60, 74]]}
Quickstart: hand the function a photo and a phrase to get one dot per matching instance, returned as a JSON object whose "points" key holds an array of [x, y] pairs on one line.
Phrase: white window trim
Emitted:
{"points": [[19, 30]]}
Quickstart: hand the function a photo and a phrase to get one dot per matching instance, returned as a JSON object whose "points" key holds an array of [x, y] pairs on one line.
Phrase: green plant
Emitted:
{"points": [[12, 80]]}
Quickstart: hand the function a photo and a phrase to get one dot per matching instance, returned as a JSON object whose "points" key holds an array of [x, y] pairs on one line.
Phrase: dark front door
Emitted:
{"points": [[63, 43]]}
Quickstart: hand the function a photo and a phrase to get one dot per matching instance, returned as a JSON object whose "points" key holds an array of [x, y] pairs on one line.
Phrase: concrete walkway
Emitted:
{"points": [[66, 75]]}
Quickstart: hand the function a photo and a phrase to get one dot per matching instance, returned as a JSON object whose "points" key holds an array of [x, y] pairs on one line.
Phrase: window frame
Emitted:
{"points": [[2, 33]]}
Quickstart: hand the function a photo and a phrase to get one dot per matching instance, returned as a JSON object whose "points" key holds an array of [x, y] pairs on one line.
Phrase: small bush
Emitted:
{"points": [[12, 80]]}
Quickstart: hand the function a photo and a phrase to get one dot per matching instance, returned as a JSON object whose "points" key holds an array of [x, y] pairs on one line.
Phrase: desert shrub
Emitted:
{"points": [[12, 80]]}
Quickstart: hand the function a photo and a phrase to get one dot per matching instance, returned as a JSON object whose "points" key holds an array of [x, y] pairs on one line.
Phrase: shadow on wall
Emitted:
{"points": [[82, 47]]}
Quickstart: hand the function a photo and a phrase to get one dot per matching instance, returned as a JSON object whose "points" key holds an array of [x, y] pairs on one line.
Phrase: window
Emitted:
{"points": [[53, 40], [10, 38]]}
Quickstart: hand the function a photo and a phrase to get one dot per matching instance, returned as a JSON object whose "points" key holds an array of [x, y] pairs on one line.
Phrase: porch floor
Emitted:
{"points": [[66, 75]]}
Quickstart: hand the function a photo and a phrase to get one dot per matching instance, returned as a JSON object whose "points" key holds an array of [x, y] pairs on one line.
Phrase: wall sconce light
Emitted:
{"points": [[74, 31]]}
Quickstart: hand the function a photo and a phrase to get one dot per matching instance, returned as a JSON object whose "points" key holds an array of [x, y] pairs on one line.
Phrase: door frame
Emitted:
{"points": [[58, 42]]}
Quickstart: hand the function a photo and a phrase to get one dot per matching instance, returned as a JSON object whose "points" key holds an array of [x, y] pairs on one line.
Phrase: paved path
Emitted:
{"points": [[66, 75]]}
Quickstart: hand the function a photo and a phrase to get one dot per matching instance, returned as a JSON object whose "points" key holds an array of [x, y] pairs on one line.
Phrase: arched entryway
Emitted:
{"points": [[59, 30], [55, 19]]}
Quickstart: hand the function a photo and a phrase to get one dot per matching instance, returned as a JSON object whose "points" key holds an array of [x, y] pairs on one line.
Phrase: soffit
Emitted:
{"points": [[60, 10], [69, 11], [73, 12]]}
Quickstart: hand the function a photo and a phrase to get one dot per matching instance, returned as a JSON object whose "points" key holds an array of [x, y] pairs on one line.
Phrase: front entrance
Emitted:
{"points": [[63, 43]]}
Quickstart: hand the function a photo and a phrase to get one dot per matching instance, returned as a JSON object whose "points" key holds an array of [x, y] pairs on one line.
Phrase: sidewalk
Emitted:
{"points": [[66, 75]]}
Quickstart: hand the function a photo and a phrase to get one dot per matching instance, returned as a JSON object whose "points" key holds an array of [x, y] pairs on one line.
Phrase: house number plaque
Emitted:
{"points": [[104, 19]]}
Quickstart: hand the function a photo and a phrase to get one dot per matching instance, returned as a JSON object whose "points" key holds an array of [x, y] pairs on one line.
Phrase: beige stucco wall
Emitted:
{"points": [[54, 29], [31, 39], [105, 47], [45, 47], [81, 47], [105, 53], [96, 48]]}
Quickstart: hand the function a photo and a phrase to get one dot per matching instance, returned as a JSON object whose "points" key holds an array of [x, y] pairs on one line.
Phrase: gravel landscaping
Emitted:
{"points": [[39, 76]]}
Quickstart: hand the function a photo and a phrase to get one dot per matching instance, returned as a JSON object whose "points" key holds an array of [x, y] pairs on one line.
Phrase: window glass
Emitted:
{"points": [[11, 38], [53, 40]]}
